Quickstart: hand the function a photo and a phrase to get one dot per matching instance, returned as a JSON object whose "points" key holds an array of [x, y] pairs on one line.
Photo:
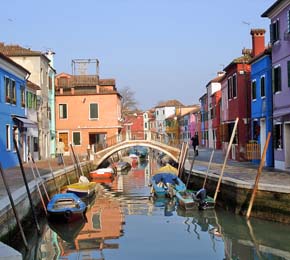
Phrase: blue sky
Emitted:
{"points": [[161, 49]]}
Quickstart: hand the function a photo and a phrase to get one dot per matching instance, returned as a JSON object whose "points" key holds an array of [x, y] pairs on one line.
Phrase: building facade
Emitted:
{"points": [[14, 123], [279, 15], [88, 112]]}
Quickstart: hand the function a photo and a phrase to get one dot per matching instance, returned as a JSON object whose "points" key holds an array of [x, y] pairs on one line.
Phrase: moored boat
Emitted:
{"points": [[82, 188], [102, 173], [122, 166], [66, 206], [166, 184], [195, 199]]}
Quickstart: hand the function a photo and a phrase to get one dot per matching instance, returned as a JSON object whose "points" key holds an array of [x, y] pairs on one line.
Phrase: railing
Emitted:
{"points": [[138, 135], [253, 151]]}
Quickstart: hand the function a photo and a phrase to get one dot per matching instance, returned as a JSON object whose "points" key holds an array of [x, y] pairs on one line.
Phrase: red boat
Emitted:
{"points": [[102, 173]]}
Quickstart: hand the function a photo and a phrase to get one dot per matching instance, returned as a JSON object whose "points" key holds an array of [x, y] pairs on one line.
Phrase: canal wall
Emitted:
{"points": [[53, 183], [271, 202]]}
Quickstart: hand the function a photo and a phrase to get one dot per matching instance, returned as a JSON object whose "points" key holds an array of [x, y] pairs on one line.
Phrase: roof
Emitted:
{"points": [[4, 57], [107, 82], [217, 79], [272, 8], [32, 86], [170, 103], [267, 51], [243, 59], [18, 51]]}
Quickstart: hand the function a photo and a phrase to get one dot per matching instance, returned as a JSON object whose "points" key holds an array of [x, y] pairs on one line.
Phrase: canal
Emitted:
{"points": [[124, 222]]}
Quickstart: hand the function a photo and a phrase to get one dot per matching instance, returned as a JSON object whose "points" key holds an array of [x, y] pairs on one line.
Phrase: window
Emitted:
{"points": [[254, 95], [13, 92], [94, 111], [62, 111], [22, 89], [262, 86], [31, 100], [8, 138], [76, 138], [15, 136], [7, 89], [274, 31], [288, 21], [234, 85], [278, 136], [35, 144], [276, 79], [288, 72], [230, 88]]}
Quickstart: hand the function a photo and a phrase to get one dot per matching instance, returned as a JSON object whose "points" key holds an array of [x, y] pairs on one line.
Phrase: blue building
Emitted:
{"points": [[262, 103], [12, 110]]}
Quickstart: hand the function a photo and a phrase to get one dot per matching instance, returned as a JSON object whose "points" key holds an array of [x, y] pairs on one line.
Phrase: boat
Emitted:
{"points": [[122, 166], [83, 188], [166, 184], [102, 173], [195, 200], [66, 206], [185, 200]]}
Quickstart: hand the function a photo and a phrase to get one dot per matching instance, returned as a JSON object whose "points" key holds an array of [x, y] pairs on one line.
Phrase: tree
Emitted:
{"points": [[128, 101]]}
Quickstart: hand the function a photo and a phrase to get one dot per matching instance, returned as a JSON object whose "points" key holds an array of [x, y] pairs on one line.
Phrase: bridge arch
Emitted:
{"points": [[104, 154]]}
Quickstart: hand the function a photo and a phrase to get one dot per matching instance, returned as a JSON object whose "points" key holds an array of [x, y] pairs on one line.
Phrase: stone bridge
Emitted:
{"points": [[104, 154]]}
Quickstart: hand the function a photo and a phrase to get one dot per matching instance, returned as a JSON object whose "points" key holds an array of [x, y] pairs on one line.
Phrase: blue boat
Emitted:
{"points": [[165, 184], [67, 207]]}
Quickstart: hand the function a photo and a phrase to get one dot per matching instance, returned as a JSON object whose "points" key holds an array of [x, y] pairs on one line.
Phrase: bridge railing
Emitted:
{"points": [[139, 135]]}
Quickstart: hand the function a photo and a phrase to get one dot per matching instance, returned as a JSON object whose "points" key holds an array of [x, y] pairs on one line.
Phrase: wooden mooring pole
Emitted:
{"points": [[258, 176], [225, 161], [26, 186], [210, 160], [13, 207]]}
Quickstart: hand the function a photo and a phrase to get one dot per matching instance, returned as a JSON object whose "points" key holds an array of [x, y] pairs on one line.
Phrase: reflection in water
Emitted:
{"points": [[125, 222]]}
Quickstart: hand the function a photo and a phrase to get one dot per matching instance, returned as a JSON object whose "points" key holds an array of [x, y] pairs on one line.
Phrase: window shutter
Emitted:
{"points": [[288, 72], [271, 33], [279, 78], [277, 30]]}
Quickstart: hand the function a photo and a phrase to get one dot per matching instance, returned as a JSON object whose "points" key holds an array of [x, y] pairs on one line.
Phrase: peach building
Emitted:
{"points": [[88, 111]]}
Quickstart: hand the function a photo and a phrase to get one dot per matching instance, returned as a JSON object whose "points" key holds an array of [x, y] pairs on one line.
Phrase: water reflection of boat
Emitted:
{"points": [[169, 204], [69, 231]]}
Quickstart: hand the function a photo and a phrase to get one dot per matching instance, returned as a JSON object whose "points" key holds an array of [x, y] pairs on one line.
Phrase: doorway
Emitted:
{"points": [[64, 137], [287, 144]]}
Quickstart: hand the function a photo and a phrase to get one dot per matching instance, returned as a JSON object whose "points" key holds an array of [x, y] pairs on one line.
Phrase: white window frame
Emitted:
{"points": [[93, 118], [59, 111], [8, 137]]}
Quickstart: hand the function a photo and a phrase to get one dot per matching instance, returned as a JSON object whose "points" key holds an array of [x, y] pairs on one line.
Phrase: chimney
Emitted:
{"points": [[258, 41]]}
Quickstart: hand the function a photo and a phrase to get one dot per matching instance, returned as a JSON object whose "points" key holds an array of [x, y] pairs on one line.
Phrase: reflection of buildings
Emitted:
{"points": [[104, 222]]}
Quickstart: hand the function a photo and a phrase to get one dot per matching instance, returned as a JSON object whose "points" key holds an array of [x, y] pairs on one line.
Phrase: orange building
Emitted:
{"points": [[88, 111]]}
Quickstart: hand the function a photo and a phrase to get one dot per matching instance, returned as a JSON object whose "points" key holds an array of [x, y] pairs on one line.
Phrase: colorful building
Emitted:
{"points": [[14, 123], [262, 103], [42, 74], [214, 102], [88, 111], [279, 14]]}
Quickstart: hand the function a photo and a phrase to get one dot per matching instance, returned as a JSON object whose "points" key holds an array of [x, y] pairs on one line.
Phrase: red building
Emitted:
{"points": [[134, 126]]}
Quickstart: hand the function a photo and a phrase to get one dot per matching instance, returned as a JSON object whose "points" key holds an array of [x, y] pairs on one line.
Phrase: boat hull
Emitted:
{"points": [[82, 189], [66, 207]]}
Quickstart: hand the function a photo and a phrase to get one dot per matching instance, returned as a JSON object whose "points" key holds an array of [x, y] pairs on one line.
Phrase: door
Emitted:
{"points": [[287, 144], [64, 137], [262, 136]]}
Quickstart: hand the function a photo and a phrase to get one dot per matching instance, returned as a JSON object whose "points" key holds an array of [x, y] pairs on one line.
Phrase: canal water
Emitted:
{"points": [[125, 222]]}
